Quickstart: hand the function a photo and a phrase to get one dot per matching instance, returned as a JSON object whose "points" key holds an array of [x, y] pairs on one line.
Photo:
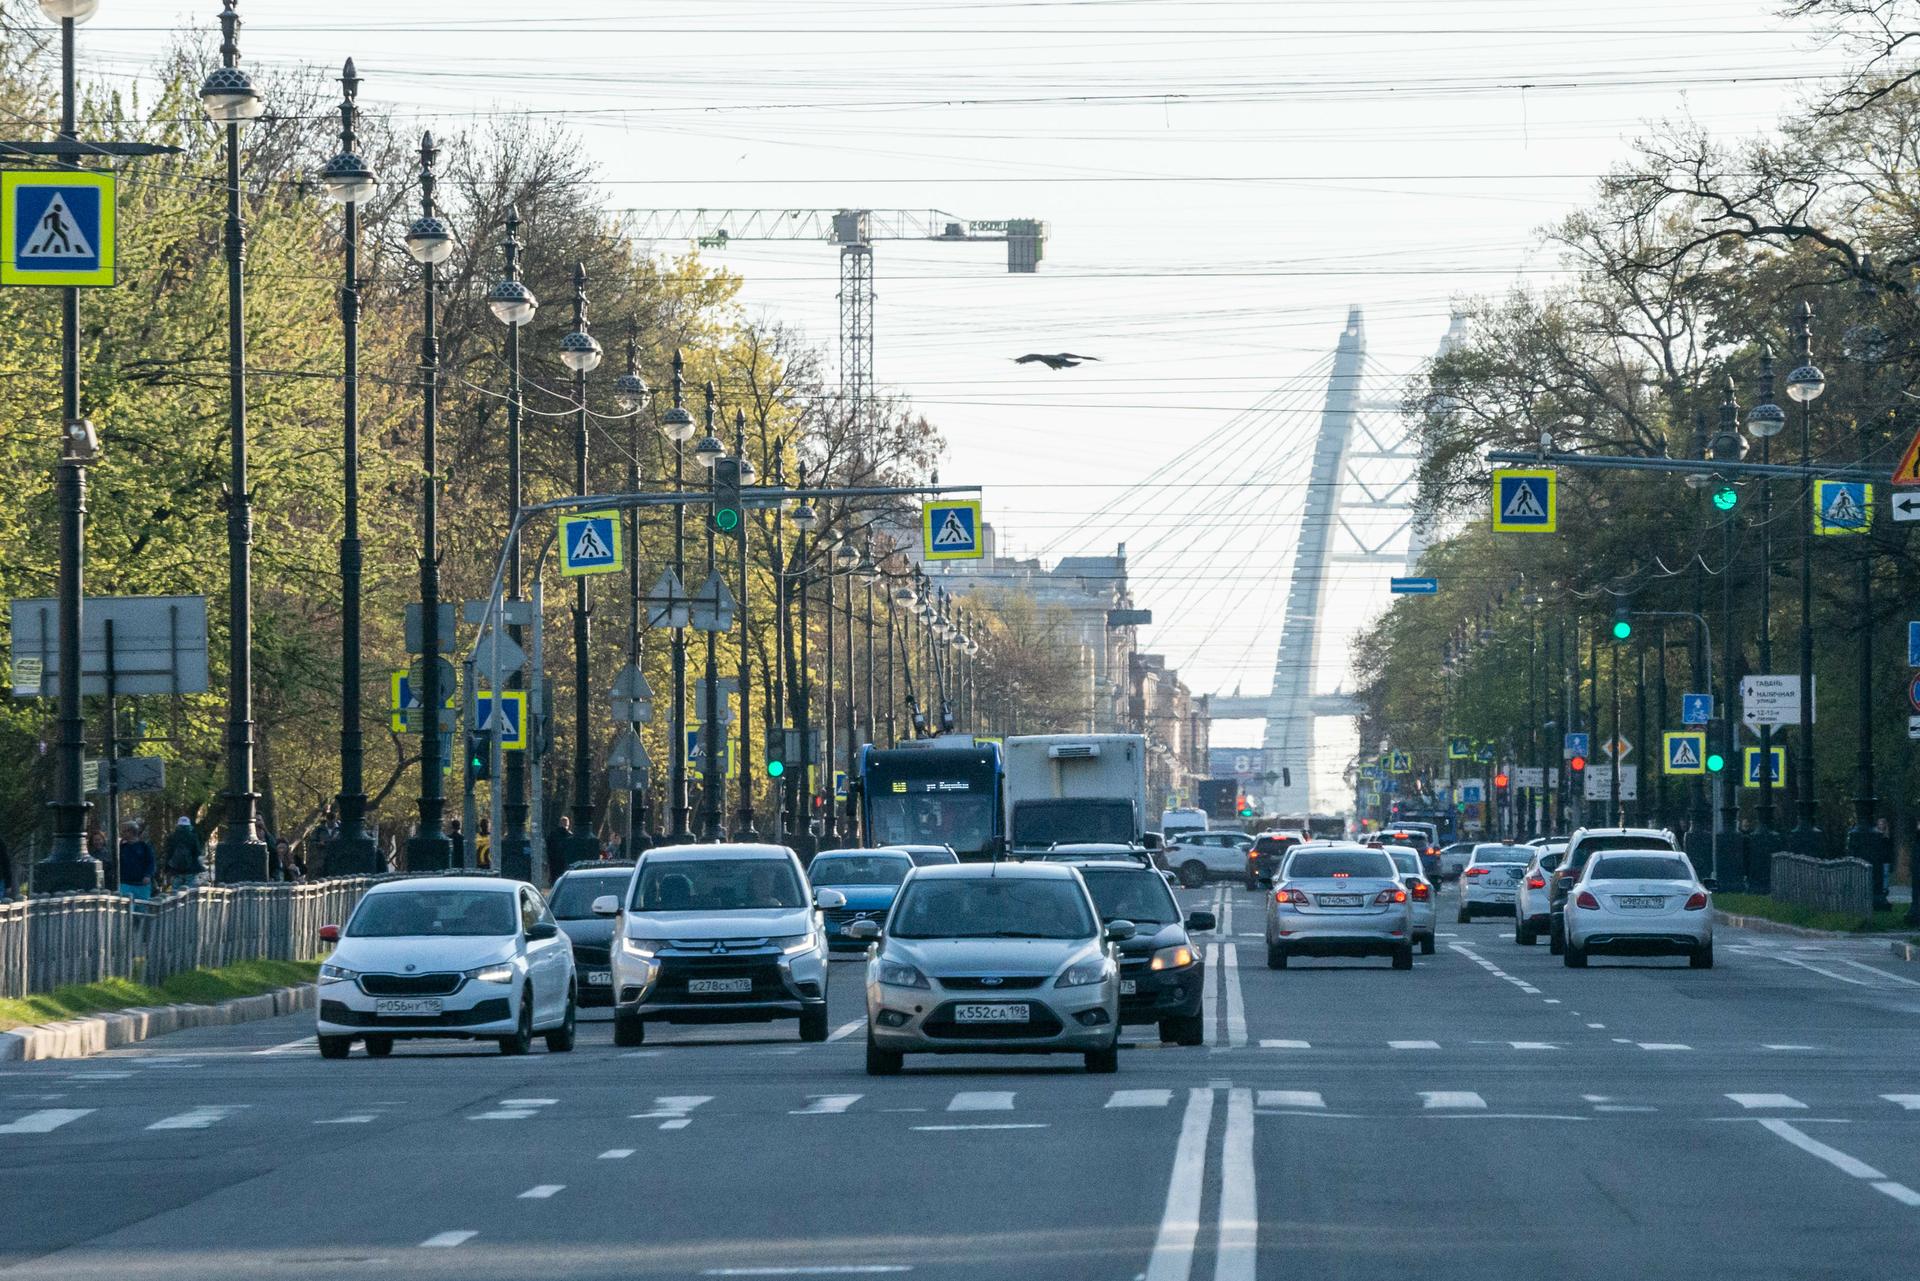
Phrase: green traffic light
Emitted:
{"points": [[776, 768], [1726, 498], [1715, 762], [726, 519], [1622, 630]]}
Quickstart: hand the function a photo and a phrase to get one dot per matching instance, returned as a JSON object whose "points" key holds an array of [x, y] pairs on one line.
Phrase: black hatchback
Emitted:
{"points": [[1162, 974], [591, 936]]}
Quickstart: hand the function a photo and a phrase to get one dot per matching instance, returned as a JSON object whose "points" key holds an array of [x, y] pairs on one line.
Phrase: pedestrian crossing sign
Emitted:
{"points": [[950, 530], [1459, 749], [1402, 762], [1686, 752], [1842, 507], [1526, 500], [1750, 766], [56, 228], [590, 543], [513, 734]]}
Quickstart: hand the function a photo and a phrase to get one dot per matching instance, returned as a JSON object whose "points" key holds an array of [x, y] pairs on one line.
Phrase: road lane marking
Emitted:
{"points": [[447, 1240], [528, 1103], [616, 1154], [1753, 1101], [985, 1125], [1238, 1244], [1172, 1258], [1911, 1102], [199, 1118], [1808, 965], [1813, 1147], [1898, 1191], [1236, 1003], [1662, 1045], [288, 1047], [846, 1030], [678, 1123], [671, 1107], [1451, 1099], [1291, 1099], [1285, 1045], [358, 1118], [1140, 1099], [541, 1192], [1413, 1045], [1532, 1045], [982, 1101], [822, 1270], [826, 1105], [1209, 1005], [1876, 970], [1623, 1107], [45, 1121]]}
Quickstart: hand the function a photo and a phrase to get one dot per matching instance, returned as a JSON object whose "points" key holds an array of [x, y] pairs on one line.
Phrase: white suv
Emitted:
{"points": [[1199, 857], [447, 956]]}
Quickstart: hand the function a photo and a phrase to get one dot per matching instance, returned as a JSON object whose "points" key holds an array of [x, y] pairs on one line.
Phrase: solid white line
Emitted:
{"points": [[195, 1118], [1899, 1192], [1789, 1047], [443, 1240], [1285, 1045], [304, 1043], [828, 1270], [1140, 1099], [1808, 965], [846, 1030], [1291, 1099], [1236, 1002], [1413, 1045], [1911, 1102], [43, 1122], [1623, 1107], [1225, 921], [505, 1114], [1172, 1258], [1751, 1101], [1238, 1246], [1451, 1099], [616, 1154], [1209, 1004], [982, 1101], [1662, 1045], [1874, 969], [1003, 1125], [540, 1192], [1832, 1156], [826, 1105]]}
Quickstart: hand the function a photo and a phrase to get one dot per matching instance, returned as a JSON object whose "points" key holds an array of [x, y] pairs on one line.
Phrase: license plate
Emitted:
{"points": [[412, 1007], [701, 987], [1339, 900], [1641, 900], [599, 978], [1128, 987], [990, 1014]]}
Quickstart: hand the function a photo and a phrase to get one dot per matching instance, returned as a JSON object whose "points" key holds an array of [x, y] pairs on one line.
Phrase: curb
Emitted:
{"points": [[1761, 925], [1905, 951], [78, 1038]]}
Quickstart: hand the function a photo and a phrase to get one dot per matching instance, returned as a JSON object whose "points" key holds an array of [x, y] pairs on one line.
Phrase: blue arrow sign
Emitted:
{"points": [[1913, 644], [1697, 709], [1413, 586], [1576, 745]]}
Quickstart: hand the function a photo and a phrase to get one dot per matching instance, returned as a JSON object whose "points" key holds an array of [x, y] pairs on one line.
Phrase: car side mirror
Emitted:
{"points": [[829, 900], [1199, 922], [542, 930], [1709, 884], [607, 905], [865, 931], [1120, 931], [1152, 841], [329, 933]]}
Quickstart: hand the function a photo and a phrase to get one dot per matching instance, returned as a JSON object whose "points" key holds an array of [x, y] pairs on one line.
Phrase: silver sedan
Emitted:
{"points": [[1334, 900]]}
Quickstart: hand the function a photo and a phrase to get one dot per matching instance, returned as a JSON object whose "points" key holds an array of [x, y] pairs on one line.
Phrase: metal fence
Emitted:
{"points": [[1828, 885], [58, 939]]}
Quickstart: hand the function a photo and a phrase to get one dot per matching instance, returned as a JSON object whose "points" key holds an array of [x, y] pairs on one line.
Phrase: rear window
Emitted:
{"points": [[1309, 864], [1405, 862], [1275, 844], [1591, 845], [1550, 861], [1639, 867], [859, 869]]}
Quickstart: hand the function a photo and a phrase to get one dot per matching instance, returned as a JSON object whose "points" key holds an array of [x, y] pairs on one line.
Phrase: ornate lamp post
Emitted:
{"points": [[580, 352], [631, 394], [1805, 384], [677, 425]]}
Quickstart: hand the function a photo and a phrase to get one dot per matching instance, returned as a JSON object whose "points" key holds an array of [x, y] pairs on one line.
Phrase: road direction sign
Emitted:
{"points": [[1529, 776], [56, 228], [1574, 745], [1413, 586], [1697, 709], [486, 650], [513, 731], [1618, 748], [950, 530], [1842, 507], [1686, 752], [1908, 472], [1459, 749], [590, 543], [1905, 506], [1750, 766], [1771, 700], [1600, 782], [1525, 500]]}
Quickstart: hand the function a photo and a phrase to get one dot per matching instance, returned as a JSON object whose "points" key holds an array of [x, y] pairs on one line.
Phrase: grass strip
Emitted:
{"points": [[1811, 918], [195, 987]]}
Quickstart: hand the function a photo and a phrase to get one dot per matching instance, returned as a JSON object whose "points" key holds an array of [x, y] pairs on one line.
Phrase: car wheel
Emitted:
{"points": [[1575, 956], [813, 1024], [561, 1039], [628, 1030], [521, 1042], [1276, 957], [1183, 1029], [1702, 957], [1253, 885], [378, 1047], [1403, 957], [1104, 1061], [1426, 945], [883, 1062], [1522, 933], [1193, 874], [1556, 937], [335, 1047]]}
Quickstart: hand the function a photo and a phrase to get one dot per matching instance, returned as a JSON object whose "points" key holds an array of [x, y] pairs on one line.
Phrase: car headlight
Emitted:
{"points": [[1093, 970], [1173, 958], [501, 973], [794, 945], [640, 947], [331, 973], [899, 974]]}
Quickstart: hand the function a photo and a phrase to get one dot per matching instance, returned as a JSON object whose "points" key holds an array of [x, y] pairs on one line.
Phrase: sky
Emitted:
{"points": [[1221, 180]]}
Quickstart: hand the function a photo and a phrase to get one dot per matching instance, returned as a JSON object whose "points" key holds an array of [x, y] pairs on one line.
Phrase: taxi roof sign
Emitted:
{"points": [[56, 228]]}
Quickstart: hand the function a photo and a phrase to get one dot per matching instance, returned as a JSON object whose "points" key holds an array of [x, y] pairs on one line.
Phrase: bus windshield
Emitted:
{"points": [[963, 820]]}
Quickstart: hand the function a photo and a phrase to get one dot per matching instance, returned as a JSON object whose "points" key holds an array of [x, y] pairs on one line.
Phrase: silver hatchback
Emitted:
{"points": [[1333, 900]]}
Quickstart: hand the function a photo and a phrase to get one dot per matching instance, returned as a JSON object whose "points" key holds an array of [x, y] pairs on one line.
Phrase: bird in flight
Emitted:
{"points": [[1057, 360]]}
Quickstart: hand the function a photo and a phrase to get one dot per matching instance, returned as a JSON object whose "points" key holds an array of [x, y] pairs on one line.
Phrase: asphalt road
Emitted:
{"points": [[1491, 1114]]}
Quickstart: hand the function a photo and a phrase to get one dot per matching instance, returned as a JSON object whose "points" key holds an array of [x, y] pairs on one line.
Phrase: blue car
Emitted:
{"points": [[869, 879]]}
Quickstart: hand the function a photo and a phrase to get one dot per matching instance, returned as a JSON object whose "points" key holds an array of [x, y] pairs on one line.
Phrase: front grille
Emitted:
{"points": [[978, 983], [676, 971], [1041, 1022], [599, 955], [844, 915], [338, 1013], [410, 984]]}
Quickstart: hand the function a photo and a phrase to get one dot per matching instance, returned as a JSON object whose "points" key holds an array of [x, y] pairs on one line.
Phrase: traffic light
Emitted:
{"points": [[1245, 806], [725, 518], [1577, 764], [1500, 780], [776, 767], [1715, 762], [479, 756], [1726, 498], [1622, 619]]}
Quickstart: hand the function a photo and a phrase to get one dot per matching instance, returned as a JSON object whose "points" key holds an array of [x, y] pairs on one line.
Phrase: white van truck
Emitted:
{"points": [[1075, 788]]}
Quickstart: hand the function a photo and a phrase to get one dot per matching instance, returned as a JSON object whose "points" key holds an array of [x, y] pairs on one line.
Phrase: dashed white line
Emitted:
{"points": [[1140, 1099], [1757, 1101], [982, 1101], [199, 1118], [1413, 1045], [1533, 1045], [1236, 1003], [826, 1105], [986, 1125], [1911, 1102], [821, 1270], [358, 1118], [1898, 1191], [541, 1192], [1285, 1045], [45, 1121], [1451, 1099], [616, 1154], [1662, 1045], [446, 1240]]}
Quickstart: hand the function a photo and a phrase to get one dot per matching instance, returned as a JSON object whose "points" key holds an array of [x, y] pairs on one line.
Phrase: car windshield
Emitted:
{"points": [[932, 858], [1310, 864], [1017, 907], [717, 885], [573, 894], [434, 914], [1138, 896], [859, 869], [1639, 867]]}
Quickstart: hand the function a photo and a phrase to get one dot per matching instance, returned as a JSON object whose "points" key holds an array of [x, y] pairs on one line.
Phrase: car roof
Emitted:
{"points": [[1117, 865], [990, 871], [1660, 833], [598, 867], [723, 850], [494, 884], [855, 851], [912, 848]]}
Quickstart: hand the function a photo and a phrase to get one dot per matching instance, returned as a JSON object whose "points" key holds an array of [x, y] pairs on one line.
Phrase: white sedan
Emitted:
{"points": [[1640, 904], [1491, 876]]}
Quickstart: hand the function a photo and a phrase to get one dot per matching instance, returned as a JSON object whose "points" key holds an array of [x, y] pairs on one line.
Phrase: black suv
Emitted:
{"points": [[1161, 971], [1582, 846], [1264, 859], [572, 904]]}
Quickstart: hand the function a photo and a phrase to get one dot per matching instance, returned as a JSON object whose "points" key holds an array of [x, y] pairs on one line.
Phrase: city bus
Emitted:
{"points": [[935, 791]]}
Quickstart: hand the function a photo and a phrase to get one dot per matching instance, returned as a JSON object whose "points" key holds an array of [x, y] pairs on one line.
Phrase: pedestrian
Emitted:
{"points": [[458, 841], [136, 863], [184, 864], [285, 867], [483, 844]]}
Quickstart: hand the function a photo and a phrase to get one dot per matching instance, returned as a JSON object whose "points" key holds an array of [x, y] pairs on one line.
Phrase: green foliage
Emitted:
{"points": [[195, 987]]}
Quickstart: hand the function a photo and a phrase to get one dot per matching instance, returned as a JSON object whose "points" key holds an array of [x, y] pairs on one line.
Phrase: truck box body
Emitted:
{"points": [[1064, 788]]}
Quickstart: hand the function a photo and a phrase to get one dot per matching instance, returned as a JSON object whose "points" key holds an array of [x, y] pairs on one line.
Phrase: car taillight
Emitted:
{"points": [[1587, 901], [1289, 896], [1341, 876], [1476, 871], [1384, 897], [1696, 901], [1536, 882], [1421, 891]]}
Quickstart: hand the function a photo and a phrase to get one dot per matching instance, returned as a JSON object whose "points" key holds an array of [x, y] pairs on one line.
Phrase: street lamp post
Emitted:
{"points": [[1805, 384], [832, 815], [713, 734], [777, 681], [580, 352], [743, 829], [1729, 857], [347, 181], [230, 99], [846, 562], [1866, 344], [868, 571], [677, 424], [806, 520], [430, 243], [514, 305], [1764, 421], [631, 394]]}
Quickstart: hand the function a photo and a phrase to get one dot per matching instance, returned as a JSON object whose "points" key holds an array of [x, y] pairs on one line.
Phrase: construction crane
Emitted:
{"points": [[855, 231]]}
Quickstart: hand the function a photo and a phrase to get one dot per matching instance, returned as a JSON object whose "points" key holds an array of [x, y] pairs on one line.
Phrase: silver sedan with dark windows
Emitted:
{"points": [[1332, 900]]}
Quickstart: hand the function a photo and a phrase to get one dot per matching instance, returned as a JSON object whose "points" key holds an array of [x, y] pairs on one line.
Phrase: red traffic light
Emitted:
{"points": [[1577, 764], [1499, 780]]}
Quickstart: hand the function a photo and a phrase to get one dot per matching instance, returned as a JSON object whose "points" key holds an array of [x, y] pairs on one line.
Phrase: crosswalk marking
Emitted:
{"points": [[358, 1118], [1413, 1045], [1451, 1099], [1662, 1045], [1140, 1099], [1911, 1102], [45, 1121], [199, 1118], [616, 1154], [1291, 1099], [1899, 1192], [669, 1106], [1752, 1101], [982, 1101], [1285, 1045], [826, 1104]]}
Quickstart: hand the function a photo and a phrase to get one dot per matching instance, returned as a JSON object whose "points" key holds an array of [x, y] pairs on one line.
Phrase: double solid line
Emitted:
{"points": [[1236, 1220]]}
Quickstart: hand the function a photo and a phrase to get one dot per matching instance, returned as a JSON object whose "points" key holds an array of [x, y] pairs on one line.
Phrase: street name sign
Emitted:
{"points": [[1771, 700], [590, 543], [1529, 776], [1750, 766], [1686, 752], [1413, 586], [1842, 507], [56, 228], [1905, 506], [1697, 709], [1525, 500], [950, 530]]}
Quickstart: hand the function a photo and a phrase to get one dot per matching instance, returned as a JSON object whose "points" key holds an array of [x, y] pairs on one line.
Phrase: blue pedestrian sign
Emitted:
{"points": [[1913, 644], [1576, 745], [1686, 752], [950, 530], [590, 543], [1696, 709], [513, 732], [1750, 762], [1842, 507], [56, 228], [1525, 500], [1413, 586]]}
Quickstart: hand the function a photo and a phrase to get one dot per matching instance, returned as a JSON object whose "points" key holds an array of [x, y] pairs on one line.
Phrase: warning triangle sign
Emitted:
{"points": [[1843, 510], [590, 546], [57, 234], [953, 532], [1525, 504], [1908, 472], [1683, 754]]}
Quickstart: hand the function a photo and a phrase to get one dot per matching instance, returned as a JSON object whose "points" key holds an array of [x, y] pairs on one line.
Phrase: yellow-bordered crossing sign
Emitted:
{"points": [[950, 530], [56, 228], [1526, 500]]}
